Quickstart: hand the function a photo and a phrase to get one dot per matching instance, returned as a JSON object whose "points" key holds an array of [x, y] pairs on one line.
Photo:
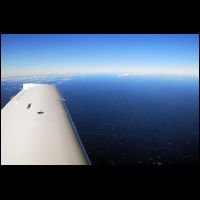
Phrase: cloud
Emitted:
{"points": [[37, 78], [170, 71]]}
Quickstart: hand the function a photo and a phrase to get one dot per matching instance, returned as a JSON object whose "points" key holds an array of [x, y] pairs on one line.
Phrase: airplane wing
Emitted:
{"points": [[36, 129]]}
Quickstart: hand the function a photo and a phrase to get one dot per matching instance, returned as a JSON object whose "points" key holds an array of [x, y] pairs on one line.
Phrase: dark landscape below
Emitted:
{"points": [[129, 120]]}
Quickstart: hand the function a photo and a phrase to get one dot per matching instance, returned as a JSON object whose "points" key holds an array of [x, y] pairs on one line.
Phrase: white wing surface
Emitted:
{"points": [[36, 129]]}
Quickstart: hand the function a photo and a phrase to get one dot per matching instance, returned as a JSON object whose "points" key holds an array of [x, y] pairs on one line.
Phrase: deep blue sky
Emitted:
{"points": [[100, 53]]}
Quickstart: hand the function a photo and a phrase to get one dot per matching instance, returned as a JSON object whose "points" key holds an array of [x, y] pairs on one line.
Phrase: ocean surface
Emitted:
{"points": [[128, 120]]}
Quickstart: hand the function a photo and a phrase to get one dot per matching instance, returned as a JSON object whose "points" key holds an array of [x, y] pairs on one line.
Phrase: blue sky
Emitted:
{"points": [[100, 53]]}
